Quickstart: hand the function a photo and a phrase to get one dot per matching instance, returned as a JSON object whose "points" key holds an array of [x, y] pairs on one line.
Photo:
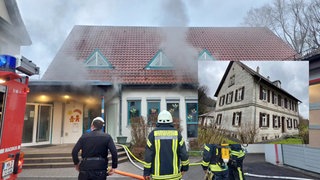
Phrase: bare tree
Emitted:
{"points": [[297, 22], [210, 133], [314, 24], [247, 133]]}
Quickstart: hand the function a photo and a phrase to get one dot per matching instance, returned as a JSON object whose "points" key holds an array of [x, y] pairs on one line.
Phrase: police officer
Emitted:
{"points": [[237, 155], [94, 146], [213, 164], [165, 151]]}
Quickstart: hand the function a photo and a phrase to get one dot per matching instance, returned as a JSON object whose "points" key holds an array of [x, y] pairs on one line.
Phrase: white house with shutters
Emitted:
{"points": [[247, 100]]}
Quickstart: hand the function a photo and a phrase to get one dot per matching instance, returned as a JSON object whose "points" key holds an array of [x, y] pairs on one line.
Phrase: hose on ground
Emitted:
{"points": [[129, 154]]}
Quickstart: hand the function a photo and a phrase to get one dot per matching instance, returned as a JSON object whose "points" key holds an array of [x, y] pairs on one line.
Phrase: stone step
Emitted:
{"points": [[60, 164], [59, 160]]}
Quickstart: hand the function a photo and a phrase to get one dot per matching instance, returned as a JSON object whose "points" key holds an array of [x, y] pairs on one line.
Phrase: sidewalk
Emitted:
{"points": [[254, 164]]}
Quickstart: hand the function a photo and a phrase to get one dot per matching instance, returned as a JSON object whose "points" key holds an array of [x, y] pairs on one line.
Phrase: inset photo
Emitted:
{"points": [[253, 102]]}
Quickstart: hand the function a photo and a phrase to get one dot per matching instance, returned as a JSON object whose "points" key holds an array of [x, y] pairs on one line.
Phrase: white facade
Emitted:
{"points": [[69, 119], [180, 96]]}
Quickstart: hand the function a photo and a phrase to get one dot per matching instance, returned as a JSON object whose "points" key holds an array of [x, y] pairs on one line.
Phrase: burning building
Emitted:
{"points": [[125, 72]]}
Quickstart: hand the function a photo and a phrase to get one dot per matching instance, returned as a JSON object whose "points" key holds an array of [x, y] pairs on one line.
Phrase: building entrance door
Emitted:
{"points": [[37, 124]]}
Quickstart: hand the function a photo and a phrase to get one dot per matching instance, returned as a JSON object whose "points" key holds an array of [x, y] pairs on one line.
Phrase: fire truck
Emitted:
{"points": [[14, 76]]}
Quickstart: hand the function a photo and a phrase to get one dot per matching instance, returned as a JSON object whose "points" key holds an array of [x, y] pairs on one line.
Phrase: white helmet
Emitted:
{"points": [[98, 119], [164, 117]]}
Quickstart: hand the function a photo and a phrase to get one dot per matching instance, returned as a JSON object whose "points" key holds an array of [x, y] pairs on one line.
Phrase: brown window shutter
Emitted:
{"points": [[273, 121], [260, 120], [268, 95], [223, 99], [236, 98], [234, 116], [268, 120], [272, 97], [242, 93], [231, 96], [239, 119]]}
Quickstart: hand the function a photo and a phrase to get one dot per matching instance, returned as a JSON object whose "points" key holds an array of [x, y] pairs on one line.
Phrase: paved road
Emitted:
{"points": [[254, 164]]}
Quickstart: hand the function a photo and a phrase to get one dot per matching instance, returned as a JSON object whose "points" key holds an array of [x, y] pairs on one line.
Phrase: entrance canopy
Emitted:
{"points": [[86, 92]]}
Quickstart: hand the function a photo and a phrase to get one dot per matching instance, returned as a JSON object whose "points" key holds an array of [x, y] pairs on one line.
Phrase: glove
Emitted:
{"points": [[208, 175]]}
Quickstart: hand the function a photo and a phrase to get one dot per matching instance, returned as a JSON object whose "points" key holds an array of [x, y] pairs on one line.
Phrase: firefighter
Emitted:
{"points": [[212, 164], [95, 146], [237, 155], [165, 151]]}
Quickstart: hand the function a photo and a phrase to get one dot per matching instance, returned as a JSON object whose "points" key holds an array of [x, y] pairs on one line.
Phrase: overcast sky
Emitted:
{"points": [[50, 21], [294, 77]]}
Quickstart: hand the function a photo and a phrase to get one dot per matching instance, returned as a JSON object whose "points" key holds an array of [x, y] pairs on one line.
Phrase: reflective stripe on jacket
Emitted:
{"points": [[165, 152], [212, 158]]}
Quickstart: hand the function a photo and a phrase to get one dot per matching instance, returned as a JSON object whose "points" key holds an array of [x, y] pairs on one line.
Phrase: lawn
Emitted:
{"points": [[288, 141]]}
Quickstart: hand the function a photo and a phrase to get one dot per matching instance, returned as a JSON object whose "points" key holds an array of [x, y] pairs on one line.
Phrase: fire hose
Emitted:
{"points": [[129, 154]]}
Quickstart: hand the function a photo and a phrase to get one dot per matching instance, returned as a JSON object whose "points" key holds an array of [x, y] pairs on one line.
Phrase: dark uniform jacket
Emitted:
{"points": [[212, 159], [95, 145], [165, 151]]}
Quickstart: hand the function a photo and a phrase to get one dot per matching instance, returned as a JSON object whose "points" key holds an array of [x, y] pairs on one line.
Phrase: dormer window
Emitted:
{"points": [[97, 60], [160, 61], [205, 55]]}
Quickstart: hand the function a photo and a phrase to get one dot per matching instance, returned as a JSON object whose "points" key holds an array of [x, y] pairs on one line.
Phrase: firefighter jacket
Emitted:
{"points": [[165, 152], [237, 154], [212, 159]]}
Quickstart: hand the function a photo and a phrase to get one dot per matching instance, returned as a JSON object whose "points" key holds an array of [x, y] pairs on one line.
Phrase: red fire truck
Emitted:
{"points": [[13, 97]]}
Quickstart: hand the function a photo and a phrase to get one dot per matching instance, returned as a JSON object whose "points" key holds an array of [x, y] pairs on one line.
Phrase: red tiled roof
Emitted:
{"points": [[130, 49]]}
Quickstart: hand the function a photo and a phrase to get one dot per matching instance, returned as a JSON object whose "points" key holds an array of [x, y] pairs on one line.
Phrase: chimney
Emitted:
{"points": [[258, 69]]}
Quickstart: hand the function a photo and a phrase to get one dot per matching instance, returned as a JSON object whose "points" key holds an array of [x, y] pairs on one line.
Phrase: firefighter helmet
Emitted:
{"points": [[164, 117]]}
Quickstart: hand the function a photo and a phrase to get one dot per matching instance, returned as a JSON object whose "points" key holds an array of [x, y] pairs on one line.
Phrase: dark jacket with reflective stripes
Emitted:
{"points": [[212, 158], [165, 152]]}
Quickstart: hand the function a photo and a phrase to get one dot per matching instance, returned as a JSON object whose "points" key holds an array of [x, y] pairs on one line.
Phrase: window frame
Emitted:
{"points": [[264, 94], [276, 121], [221, 100], [239, 94], [295, 124], [130, 109], [150, 105], [219, 118], [173, 112], [229, 97], [264, 120], [236, 119], [289, 123]]}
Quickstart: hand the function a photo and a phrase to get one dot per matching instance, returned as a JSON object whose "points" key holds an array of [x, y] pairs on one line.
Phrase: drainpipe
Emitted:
{"points": [[277, 153], [102, 114], [62, 123], [102, 107], [120, 109], [255, 103]]}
